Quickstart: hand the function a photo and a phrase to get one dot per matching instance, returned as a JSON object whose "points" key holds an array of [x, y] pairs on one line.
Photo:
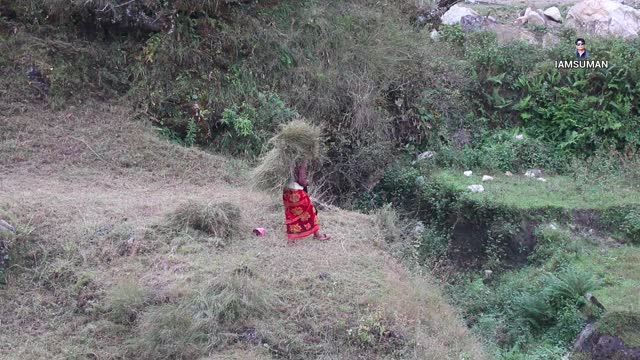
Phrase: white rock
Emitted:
{"points": [[434, 35], [542, 179], [604, 17], [519, 137], [554, 14], [533, 173], [426, 155], [536, 19], [487, 178], [468, 173], [487, 274], [455, 13], [553, 227], [520, 21], [475, 188], [508, 173], [527, 12]]}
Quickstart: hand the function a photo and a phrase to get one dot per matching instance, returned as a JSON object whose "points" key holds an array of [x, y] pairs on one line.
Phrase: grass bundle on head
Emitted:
{"points": [[297, 140]]}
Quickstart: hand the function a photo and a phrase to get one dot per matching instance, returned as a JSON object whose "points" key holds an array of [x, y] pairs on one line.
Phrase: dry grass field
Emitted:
{"points": [[106, 262]]}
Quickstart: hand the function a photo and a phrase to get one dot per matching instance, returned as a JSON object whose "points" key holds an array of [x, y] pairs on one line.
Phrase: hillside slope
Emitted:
{"points": [[99, 271]]}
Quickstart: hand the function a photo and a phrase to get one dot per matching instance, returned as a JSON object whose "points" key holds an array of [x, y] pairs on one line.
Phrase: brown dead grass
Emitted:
{"points": [[72, 200]]}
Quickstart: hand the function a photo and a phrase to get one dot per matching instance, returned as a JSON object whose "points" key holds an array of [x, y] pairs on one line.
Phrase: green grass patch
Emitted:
{"points": [[561, 192], [624, 324], [622, 290]]}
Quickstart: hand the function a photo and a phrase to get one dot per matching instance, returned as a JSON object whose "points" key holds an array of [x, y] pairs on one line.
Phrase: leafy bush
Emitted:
{"points": [[504, 152], [452, 34], [249, 128], [631, 225], [578, 111]]}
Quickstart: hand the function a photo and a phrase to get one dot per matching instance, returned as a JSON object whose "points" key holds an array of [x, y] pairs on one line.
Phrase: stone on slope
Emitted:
{"points": [[604, 17], [455, 13], [553, 13]]}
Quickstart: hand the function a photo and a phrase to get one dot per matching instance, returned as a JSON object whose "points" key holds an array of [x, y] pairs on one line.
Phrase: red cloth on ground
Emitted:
{"points": [[301, 217]]}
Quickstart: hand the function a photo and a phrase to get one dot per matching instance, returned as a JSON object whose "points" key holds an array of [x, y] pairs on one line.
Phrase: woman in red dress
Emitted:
{"points": [[300, 214]]}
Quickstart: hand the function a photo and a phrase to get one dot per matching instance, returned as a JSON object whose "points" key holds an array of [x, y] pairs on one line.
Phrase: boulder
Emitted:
{"points": [[536, 19], [472, 23], [476, 188], [434, 35], [426, 155], [455, 13], [487, 178], [468, 173], [521, 21], [527, 12], [605, 18], [533, 173], [507, 33], [553, 13]]}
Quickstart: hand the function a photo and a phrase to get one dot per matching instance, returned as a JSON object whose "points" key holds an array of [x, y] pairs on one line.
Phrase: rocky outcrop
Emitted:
{"points": [[553, 13], [531, 17], [455, 13], [472, 23], [605, 18]]}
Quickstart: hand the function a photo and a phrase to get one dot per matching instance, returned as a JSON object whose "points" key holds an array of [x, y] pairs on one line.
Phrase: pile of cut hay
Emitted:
{"points": [[297, 140], [221, 220]]}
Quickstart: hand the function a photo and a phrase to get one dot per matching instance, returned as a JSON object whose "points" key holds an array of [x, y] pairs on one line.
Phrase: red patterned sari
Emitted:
{"points": [[300, 214]]}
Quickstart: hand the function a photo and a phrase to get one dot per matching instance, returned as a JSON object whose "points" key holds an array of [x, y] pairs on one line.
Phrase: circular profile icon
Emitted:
{"points": [[581, 51]]}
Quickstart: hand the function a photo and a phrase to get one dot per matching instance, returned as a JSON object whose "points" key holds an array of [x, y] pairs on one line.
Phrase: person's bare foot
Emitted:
{"points": [[322, 237]]}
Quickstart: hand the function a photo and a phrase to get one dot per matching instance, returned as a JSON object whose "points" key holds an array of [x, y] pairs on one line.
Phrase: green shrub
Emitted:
{"points": [[631, 225], [504, 152], [452, 34], [249, 128], [569, 286]]}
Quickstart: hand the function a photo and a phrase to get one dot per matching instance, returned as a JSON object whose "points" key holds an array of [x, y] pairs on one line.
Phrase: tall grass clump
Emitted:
{"points": [[125, 301], [389, 223], [168, 332], [232, 299], [222, 220], [207, 318], [297, 140]]}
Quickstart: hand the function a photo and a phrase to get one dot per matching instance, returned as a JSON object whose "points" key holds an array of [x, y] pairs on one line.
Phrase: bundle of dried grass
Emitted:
{"points": [[297, 140], [221, 220]]}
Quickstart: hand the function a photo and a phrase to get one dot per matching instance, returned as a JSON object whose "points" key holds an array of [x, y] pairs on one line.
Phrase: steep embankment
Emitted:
{"points": [[100, 268]]}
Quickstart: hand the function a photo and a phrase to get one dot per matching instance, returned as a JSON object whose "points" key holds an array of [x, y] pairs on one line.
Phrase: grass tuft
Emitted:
{"points": [[223, 220], [125, 301], [168, 332]]}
